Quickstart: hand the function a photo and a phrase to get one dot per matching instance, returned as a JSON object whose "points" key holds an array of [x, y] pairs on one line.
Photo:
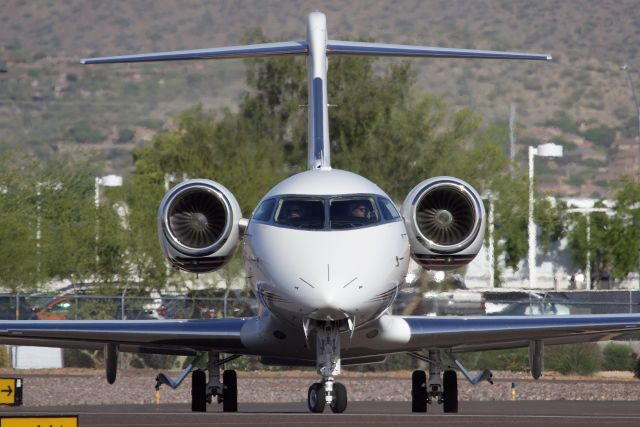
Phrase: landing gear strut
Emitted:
{"points": [[328, 365]]}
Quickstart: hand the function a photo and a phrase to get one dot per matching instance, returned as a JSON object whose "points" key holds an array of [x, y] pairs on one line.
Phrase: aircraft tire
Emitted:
{"points": [[450, 391], [230, 391], [339, 402], [198, 391], [316, 399], [419, 391]]}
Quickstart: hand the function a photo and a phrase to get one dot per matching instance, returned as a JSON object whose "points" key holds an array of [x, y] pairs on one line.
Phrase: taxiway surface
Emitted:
{"points": [[488, 413]]}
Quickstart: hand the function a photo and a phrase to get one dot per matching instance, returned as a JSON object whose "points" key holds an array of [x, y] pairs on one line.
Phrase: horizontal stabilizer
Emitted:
{"points": [[247, 51], [300, 47], [337, 47]]}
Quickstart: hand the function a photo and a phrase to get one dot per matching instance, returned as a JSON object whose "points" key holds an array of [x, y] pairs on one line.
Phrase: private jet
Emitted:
{"points": [[326, 252]]}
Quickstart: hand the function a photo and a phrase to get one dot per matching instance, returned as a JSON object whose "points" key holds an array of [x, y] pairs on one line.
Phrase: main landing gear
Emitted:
{"points": [[328, 365], [203, 392], [442, 389]]}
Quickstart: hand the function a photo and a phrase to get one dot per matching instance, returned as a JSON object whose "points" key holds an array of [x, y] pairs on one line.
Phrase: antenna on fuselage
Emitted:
{"points": [[317, 47]]}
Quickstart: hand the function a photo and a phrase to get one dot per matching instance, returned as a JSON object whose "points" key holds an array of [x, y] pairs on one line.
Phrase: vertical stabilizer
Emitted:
{"points": [[318, 124]]}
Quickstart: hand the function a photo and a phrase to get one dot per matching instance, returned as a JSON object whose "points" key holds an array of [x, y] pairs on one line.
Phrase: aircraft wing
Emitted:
{"points": [[495, 332], [180, 337]]}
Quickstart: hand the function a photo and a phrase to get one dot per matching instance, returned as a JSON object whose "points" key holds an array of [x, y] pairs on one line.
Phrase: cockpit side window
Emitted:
{"points": [[264, 212], [388, 209], [352, 212], [306, 213]]}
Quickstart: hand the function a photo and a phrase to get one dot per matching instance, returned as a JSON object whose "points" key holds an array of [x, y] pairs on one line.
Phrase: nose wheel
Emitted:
{"points": [[317, 398], [339, 402]]}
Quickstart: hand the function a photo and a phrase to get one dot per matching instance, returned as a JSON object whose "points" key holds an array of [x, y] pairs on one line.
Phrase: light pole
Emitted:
{"points": [[488, 195], [625, 67], [587, 213], [543, 150]]}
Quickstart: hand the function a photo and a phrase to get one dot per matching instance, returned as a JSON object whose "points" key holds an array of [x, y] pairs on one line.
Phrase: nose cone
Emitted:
{"points": [[331, 275], [329, 307]]}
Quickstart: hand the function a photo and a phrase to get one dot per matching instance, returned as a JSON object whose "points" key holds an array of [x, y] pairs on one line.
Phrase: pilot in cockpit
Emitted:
{"points": [[359, 211], [295, 212]]}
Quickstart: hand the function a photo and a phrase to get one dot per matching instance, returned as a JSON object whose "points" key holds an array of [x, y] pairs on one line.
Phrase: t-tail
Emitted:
{"points": [[317, 47]]}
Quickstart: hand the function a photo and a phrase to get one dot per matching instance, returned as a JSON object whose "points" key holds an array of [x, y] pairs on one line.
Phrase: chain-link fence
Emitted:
{"points": [[85, 307], [515, 303], [197, 305]]}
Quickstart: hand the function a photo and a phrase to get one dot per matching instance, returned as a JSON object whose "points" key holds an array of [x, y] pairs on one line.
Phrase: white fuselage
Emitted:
{"points": [[326, 273]]}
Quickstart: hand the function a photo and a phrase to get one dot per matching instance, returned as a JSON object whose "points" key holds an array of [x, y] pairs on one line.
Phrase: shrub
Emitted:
{"points": [[563, 121], [5, 357], [499, 360], [636, 368], [125, 136], [83, 133], [583, 358], [601, 135], [618, 357], [74, 358], [155, 361]]}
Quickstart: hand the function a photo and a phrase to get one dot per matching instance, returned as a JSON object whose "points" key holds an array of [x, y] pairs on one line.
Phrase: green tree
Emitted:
{"points": [[614, 247], [624, 234], [68, 220], [48, 216], [18, 270]]}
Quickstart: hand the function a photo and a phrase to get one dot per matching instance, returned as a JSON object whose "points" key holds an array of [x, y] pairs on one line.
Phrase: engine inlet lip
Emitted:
{"points": [[473, 201], [173, 240]]}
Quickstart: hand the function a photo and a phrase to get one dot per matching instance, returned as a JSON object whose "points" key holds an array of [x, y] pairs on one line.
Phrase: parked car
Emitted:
{"points": [[186, 308], [534, 308], [88, 307], [8, 308], [451, 303], [205, 304], [57, 308]]}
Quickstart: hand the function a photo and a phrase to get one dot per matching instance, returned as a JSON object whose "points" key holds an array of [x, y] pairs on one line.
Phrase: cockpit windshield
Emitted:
{"points": [[301, 213], [327, 212], [352, 212]]}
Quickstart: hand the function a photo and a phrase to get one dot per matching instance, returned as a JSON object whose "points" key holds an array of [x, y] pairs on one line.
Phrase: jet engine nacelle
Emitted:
{"points": [[445, 221], [198, 225]]}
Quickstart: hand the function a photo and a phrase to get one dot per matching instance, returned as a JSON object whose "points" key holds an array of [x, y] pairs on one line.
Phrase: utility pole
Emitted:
{"points": [[625, 67], [512, 136]]}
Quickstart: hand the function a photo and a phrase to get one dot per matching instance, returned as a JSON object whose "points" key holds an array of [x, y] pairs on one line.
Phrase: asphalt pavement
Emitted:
{"points": [[488, 413]]}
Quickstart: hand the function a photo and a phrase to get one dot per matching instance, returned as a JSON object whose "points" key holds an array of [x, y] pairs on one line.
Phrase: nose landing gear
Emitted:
{"points": [[328, 365]]}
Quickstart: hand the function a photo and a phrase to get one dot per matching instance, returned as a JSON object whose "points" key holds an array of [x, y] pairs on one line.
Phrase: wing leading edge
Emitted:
{"points": [[495, 332], [152, 336]]}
